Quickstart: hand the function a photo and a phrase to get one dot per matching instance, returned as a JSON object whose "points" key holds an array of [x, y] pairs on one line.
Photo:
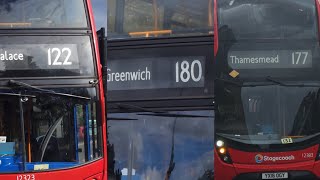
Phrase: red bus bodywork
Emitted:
{"points": [[249, 165], [244, 162], [94, 170]]}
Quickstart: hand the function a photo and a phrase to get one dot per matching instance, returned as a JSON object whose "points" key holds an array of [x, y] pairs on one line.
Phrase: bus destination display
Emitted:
{"points": [[154, 73], [38, 56], [270, 59]]}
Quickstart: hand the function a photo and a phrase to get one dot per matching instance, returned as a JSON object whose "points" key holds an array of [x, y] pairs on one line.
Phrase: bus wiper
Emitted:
{"points": [[157, 113], [25, 85], [47, 137], [304, 112], [14, 94], [120, 119], [242, 84], [176, 115], [172, 164], [22, 84], [268, 78], [230, 82], [135, 108]]}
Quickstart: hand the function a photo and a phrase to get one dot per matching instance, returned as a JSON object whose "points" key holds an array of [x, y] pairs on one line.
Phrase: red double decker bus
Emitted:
{"points": [[52, 112], [267, 89]]}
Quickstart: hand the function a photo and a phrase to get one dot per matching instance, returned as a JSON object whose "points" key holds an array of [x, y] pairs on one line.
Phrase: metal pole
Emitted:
{"points": [[22, 100]]}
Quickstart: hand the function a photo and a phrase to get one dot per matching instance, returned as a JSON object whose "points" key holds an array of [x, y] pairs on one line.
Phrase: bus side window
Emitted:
{"points": [[87, 131]]}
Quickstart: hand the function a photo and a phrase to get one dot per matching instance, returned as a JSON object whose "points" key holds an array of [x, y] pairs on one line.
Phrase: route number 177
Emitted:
{"points": [[299, 57]]}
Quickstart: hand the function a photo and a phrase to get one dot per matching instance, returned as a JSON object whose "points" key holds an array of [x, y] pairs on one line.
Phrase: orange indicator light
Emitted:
{"points": [[222, 150]]}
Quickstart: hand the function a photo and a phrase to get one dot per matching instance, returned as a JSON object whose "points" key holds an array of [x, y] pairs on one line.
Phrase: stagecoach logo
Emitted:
{"points": [[259, 158]]}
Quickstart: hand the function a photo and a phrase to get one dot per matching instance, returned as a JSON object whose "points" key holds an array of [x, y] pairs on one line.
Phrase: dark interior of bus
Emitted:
{"points": [[60, 130]]}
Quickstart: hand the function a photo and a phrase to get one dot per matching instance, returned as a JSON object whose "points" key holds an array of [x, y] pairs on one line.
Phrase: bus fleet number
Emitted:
{"points": [[26, 177], [307, 155], [186, 71], [55, 54]]}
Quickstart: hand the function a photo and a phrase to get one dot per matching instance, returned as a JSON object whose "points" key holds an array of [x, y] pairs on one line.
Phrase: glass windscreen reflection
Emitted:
{"points": [[42, 14], [158, 18], [265, 19], [146, 146]]}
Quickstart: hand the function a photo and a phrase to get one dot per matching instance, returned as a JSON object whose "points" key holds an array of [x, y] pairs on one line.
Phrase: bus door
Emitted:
{"points": [[11, 132]]}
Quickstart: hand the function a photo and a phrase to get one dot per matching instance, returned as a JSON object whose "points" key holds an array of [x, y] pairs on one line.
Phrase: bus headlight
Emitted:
{"points": [[222, 151], [220, 143]]}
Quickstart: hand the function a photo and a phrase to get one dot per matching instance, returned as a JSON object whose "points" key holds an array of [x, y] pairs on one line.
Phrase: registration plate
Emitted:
{"points": [[278, 175]]}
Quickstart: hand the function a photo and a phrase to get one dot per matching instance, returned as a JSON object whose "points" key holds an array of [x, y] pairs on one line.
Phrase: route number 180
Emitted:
{"points": [[186, 71]]}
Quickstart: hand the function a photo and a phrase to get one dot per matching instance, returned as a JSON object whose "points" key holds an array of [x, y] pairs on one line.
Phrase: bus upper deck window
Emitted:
{"points": [[42, 14]]}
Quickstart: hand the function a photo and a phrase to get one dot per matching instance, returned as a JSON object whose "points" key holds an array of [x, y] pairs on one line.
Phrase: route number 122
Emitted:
{"points": [[54, 56]]}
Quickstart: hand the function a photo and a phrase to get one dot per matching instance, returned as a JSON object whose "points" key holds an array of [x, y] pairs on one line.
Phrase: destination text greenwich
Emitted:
{"points": [[138, 75]]}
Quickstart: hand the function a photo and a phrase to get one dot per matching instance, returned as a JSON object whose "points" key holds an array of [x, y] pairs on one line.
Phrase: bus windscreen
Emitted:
{"points": [[42, 14], [265, 19]]}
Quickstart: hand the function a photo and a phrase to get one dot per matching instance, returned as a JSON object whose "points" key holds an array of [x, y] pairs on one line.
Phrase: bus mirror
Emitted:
{"points": [[102, 45]]}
